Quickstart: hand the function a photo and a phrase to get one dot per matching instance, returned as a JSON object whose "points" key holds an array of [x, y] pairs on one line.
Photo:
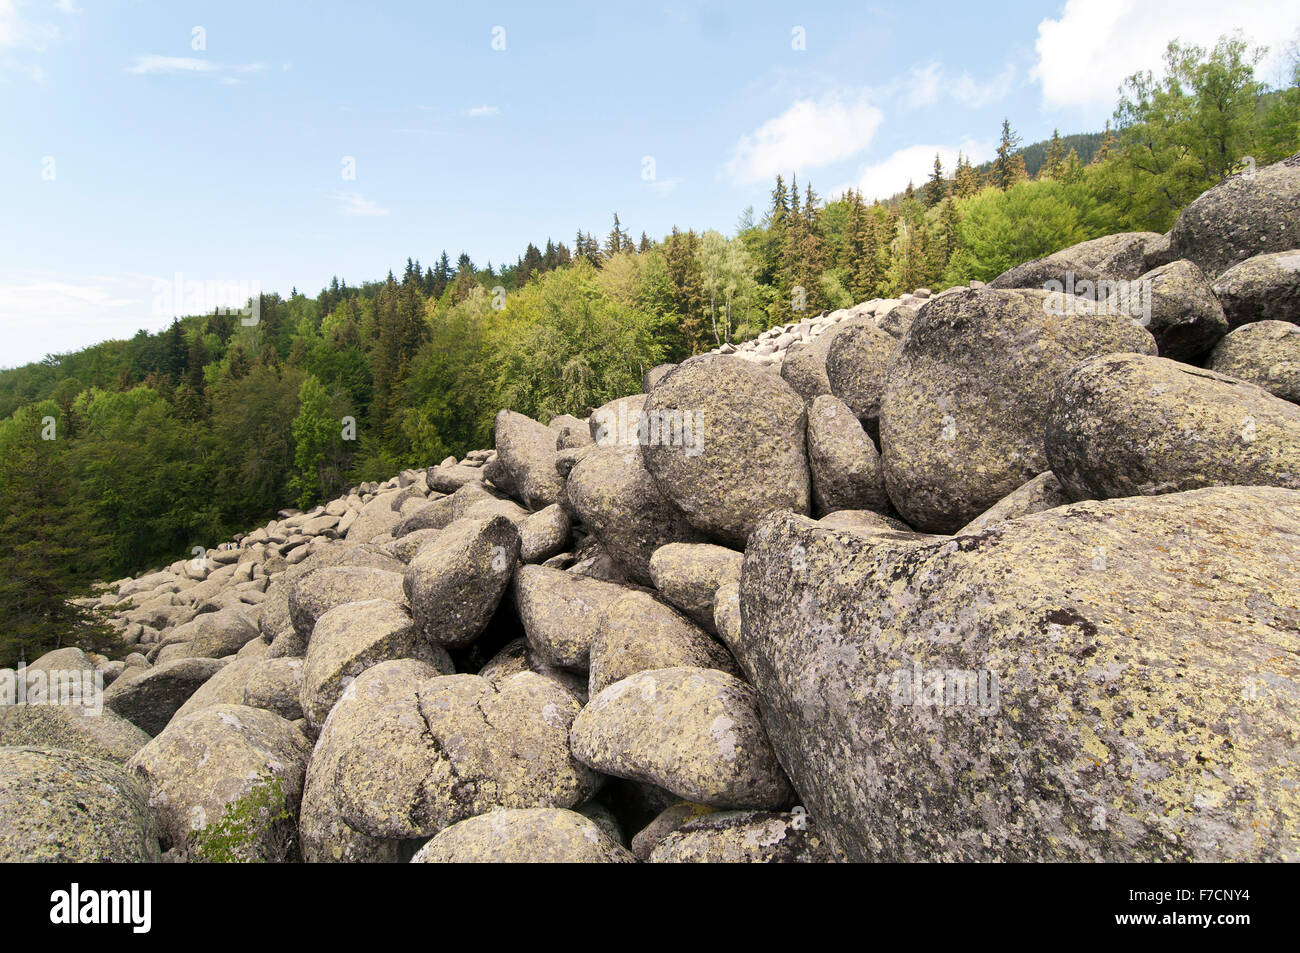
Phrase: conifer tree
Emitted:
{"points": [[1054, 165], [1006, 170], [936, 188]]}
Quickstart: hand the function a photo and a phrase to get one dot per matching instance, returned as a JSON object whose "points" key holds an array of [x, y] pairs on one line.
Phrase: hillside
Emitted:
{"points": [[779, 597]]}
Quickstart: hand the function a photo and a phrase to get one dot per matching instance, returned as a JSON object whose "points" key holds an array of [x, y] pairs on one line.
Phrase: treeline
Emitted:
{"points": [[130, 453]]}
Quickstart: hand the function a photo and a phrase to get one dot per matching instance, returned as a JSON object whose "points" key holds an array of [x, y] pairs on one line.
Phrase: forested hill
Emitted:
{"points": [[131, 453]]}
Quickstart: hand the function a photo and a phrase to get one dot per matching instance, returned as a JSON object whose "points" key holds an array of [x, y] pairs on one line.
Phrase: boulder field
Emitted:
{"points": [[999, 573]]}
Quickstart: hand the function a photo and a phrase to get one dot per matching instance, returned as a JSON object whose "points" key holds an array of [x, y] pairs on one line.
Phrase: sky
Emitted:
{"points": [[153, 148]]}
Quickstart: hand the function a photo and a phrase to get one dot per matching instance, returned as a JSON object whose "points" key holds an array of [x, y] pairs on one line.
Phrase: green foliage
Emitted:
{"points": [[255, 828]]}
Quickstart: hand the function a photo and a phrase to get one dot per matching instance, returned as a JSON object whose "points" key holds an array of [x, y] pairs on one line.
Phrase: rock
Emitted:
{"points": [[667, 821], [516, 656], [351, 638], [375, 519], [561, 611], [149, 700], [218, 763], [455, 582], [55, 668], [611, 491], [62, 806], [1057, 272], [534, 835], [405, 547], [544, 534], [804, 369], [618, 422], [638, 633], [1186, 318], [221, 633], [689, 574], [855, 365], [320, 590], [1265, 287], [434, 515], [845, 465], [693, 731], [1126, 254], [103, 735], [745, 837], [1266, 353], [745, 456], [526, 450], [965, 403], [1132, 425], [1117, 729], [1241, 217], [270, 684], [475, 502], [1043, 492], [651, 378], [325, 836], [455, 747], [726, 618], [897, 320], [450, 478]]}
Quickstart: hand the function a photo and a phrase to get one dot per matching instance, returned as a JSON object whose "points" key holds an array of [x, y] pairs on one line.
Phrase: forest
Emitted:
{"points": [[128, 454]]}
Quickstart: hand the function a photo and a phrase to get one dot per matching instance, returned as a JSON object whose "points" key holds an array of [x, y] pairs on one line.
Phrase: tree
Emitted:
{"points": [[1009, 166], [1054, 166], [935, 188]]}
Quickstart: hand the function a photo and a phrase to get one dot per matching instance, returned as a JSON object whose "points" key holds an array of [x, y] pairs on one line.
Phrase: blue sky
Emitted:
{"points": [[144, 139]]}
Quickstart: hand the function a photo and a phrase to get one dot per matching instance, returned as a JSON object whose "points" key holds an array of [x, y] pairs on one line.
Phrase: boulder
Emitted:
{"points": [[526, 451], [532, 835], [1049, 689], [270, 684], [745, 453], [617, 423], [375, 519], [612, 492], [149, 700], [325, 835], [664, 823], [1246, 215], [689, 574], [320, 590], [433, 515], [561, 611], [1135, 425], [231, 765], [804, 369], [1186, 318], [516, 656], [544, 534], [1262, 288], [1266, 353], [845, 466], [351, 638], [855, 365], [455, 582], [103, 735], [1043, 492], [221, 633], [1057, 272], [966, 397], [448, 478], [692, 731], [651, 378], [63, 806], [638, 633], [454, 747]]}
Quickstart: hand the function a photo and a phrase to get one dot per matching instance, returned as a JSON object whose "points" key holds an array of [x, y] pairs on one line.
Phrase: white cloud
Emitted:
{"points": [[1085, 53], [173, 65], [52, 317], [485, 110], [924, 84], [354, 203], [18, 32], [913, 164], [809, 134]]}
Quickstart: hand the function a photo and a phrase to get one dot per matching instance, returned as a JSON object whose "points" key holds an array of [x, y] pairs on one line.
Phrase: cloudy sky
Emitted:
{"points": [[278, 144]]}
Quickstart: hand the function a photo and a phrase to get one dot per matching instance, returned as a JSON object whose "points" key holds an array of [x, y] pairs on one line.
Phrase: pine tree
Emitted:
{"points": [[936, 188], [1107, 146], [617, 240], [1054, 165], [966, 181], [1006, 171]]}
